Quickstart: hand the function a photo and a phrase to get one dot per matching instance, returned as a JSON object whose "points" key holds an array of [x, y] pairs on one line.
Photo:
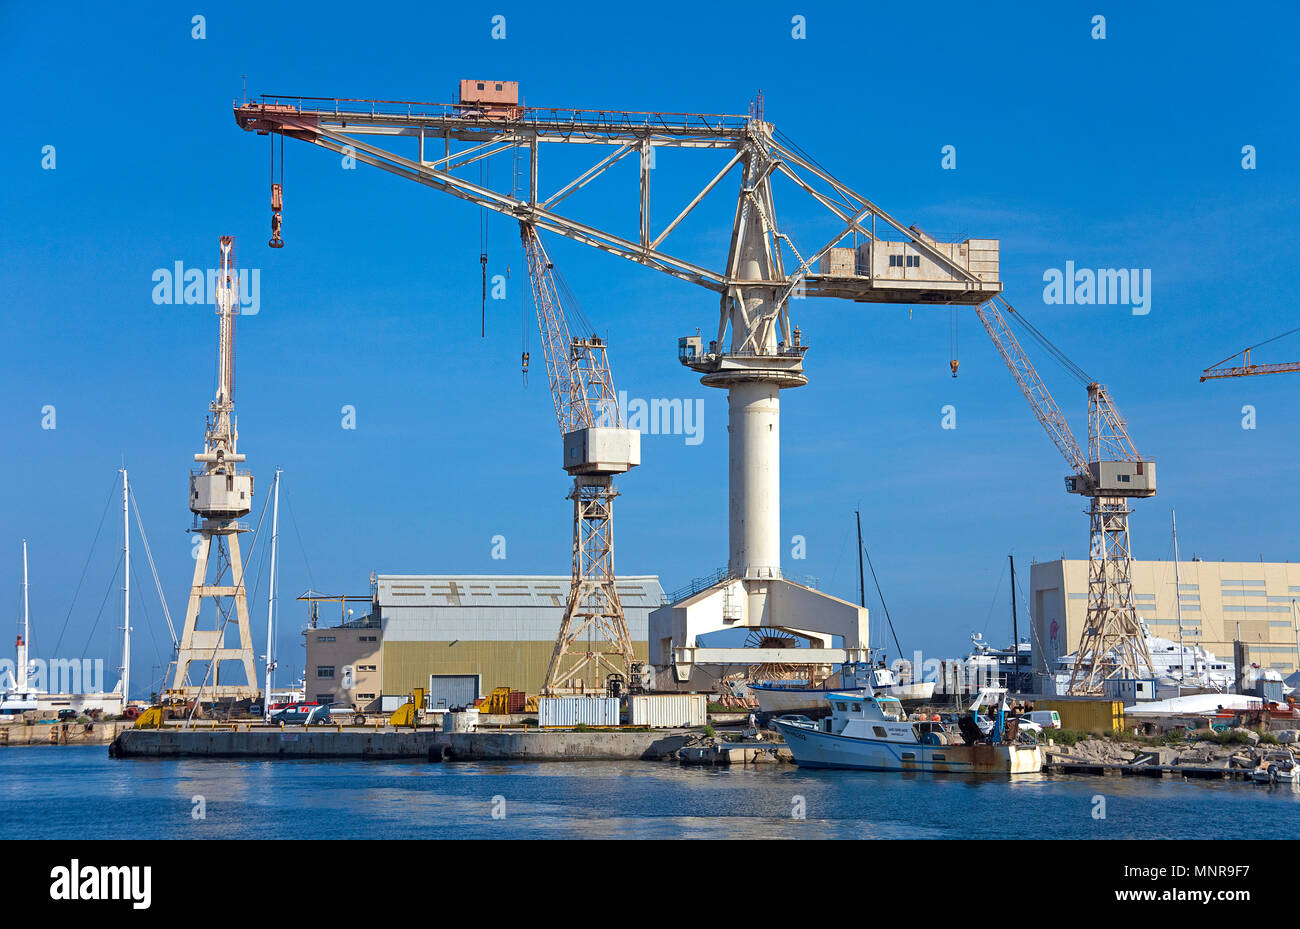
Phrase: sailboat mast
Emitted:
{"points": [[126, 594], [1015, 629], [862, 588], [271, 594], [27, 630], [1178, 599]]}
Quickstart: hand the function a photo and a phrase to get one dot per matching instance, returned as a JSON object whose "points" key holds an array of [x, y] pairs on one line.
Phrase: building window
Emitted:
{"points": [[366, 667], [480, 86], [325, 698], [325, 672], [324, 638], [366, 638], [365, 696]]}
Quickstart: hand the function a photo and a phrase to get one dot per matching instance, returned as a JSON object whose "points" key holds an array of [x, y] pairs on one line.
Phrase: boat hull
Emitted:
{"points": [[814, 749]]}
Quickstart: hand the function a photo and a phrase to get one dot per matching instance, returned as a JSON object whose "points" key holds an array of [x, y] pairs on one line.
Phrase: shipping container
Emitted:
{"points": [[1087, 715], [567, 712], [668, 711]]}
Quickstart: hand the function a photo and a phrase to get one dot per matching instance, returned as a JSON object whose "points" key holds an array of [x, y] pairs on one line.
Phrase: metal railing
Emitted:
{"points": [[547, 117]]}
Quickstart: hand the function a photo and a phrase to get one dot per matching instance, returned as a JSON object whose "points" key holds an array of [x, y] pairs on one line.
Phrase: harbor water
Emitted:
{"points": [[77, 792]]}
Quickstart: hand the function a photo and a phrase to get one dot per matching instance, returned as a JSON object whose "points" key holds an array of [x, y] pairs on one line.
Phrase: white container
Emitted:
{"points": [[460, 721], [567, 712], [668, 711]]}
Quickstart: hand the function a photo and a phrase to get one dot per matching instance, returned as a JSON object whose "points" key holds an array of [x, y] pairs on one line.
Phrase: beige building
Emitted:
{"points": [[1220, 601], [343, 664], [493, 630]]}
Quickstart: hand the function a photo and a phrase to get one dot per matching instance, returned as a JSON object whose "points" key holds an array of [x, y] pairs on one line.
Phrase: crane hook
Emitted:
{"points": [[953, 364], [277, 203]]}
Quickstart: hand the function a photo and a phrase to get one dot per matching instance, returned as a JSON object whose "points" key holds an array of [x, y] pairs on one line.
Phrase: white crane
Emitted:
{"points": [[883, 262], [1112, 644], [220, 493]]}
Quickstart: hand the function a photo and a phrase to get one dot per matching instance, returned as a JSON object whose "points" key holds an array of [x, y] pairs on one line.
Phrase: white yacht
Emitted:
{"points": [[873, 733]]}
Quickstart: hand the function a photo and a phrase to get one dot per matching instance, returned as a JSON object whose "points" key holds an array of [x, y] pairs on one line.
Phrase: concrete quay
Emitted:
{"points": [[426, 744]]}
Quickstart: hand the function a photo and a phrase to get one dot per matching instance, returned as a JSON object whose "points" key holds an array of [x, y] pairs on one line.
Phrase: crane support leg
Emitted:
{"points": [[208, 645], [1112, 645], [593, 640]]}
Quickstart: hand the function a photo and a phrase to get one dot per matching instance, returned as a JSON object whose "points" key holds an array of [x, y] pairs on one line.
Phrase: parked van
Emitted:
{"points": [[1048, 719]]}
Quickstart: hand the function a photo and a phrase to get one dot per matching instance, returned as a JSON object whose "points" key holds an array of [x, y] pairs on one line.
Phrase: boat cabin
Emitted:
{"points": [[855, 716]]}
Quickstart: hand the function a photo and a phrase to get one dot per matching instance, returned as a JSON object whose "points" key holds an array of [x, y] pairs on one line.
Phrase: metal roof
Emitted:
{"points": [[498, 590]]}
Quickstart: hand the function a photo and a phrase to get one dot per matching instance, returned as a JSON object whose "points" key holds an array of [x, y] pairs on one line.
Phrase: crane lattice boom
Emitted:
{"points": [[577, 368]]}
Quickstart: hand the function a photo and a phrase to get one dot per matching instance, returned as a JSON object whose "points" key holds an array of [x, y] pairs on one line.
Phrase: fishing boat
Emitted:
{"points": [[872, 733]]}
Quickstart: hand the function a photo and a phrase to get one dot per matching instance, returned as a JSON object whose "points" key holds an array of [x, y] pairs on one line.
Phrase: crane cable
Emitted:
{"points": [[1059, 356], [483, 249]]}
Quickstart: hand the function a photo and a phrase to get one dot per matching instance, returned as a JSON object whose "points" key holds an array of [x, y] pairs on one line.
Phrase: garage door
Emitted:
{"points": [[448, 690]]}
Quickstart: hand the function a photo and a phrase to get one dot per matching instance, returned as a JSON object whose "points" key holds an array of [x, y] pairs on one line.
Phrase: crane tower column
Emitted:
{"points": [[754, 423]]}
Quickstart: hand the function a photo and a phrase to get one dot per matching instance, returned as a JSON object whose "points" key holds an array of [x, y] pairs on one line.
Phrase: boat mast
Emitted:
{"points": [[1015, 629], [271, 594], [27, 630], [126, 594], [862, 588], [1178, 599]]}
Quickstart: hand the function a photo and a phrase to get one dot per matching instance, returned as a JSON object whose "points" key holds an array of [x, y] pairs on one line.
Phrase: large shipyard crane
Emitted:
{"points": [[1112, 644], [867, 256], [593, 640], [220, 493]]}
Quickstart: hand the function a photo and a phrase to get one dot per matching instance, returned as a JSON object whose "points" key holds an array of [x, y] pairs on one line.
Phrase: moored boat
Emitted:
{"points": [[869, 732]]}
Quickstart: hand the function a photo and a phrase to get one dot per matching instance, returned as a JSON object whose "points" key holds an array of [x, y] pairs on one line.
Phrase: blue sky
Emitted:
{"points": [[1122, 152]]}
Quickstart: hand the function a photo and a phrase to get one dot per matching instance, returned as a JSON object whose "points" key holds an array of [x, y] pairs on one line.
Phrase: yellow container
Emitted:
{"points": [[1099, 714]]}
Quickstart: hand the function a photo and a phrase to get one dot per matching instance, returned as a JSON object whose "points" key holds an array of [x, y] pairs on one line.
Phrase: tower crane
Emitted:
{"points": [[1246, 368], [1112, 473], [596, 447], [220, 493], [867, 256]]}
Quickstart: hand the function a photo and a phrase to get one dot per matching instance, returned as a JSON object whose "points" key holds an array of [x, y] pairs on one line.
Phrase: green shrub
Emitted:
{"points": [[710, 731], [1066, 737]]}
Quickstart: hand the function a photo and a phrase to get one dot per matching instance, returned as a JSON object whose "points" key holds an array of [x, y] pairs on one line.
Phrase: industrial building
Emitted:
{"points": [[1220, 601], [487, 631]]}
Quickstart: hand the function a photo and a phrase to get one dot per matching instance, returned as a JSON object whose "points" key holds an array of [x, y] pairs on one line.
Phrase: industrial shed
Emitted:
{"points": [[502, 628]]}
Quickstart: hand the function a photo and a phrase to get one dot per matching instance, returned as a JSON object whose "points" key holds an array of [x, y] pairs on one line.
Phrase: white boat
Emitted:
{"points": [[872, 733], [780, 697], [1275, 768]]}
